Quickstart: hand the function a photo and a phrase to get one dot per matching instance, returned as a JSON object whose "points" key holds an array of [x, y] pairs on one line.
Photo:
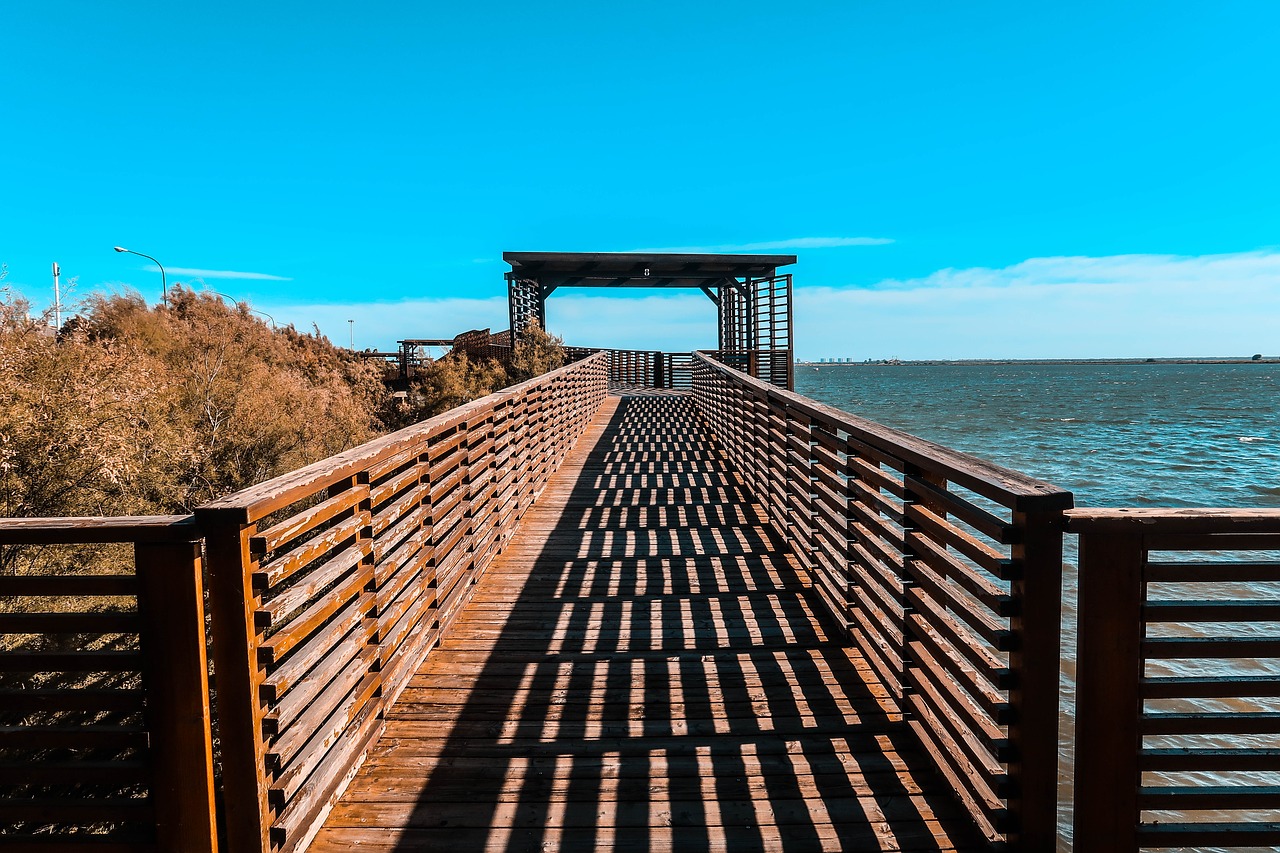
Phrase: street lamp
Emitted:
{"points": [[164, 284], [351, 327], [237, 302]]}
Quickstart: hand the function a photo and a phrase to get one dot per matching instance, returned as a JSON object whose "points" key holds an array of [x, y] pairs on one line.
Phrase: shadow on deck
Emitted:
{"points": [[645, 668]]}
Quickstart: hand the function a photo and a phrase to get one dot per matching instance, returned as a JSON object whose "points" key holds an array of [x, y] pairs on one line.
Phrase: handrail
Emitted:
{"points": [[945, 569], [674, 370], [330, 584], [1007, 486], [122, 736], [1173, 678]]}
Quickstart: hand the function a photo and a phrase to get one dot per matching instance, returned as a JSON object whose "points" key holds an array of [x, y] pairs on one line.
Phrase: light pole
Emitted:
{"points": [[164, 283], [237, 302], [351, 327]]}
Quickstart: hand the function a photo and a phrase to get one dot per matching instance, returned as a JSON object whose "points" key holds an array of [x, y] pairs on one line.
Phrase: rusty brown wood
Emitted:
{"points": [[176, 682], [364, 561], [1035, 700], [645, 666], [141, 704], [94, 529], [1108, 702], [956, 605], [1123, 692]]}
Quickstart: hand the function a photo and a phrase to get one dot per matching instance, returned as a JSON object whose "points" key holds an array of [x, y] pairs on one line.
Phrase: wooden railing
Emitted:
{"points": [[945, 569], [104, 691], [1178, 677], [643, 368], [329, 586], [674, 370]]}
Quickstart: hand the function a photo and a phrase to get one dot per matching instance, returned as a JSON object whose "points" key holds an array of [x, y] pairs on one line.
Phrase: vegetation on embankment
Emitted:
{"points": [[135, 409]]}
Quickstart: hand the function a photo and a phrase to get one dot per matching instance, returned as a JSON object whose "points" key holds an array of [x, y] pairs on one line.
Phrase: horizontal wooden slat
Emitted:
{"points": [[1215, 760], [1208, 687], [286, 565], [72, 737], [291, 528], [1210, 834], [66, 623], [1209, 797], [72, 699], [1165, 648], [1211, 611], [98, 529], [1210, 572], [88, 661], [1239, 723], [999, 530], [69, 585], [1180, 520]]}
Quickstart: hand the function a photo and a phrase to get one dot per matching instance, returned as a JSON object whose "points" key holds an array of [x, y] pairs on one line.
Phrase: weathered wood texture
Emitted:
{"points": [[636, 369], [644, 668], [1178, 675], [945, 570], [633, 370], [104, 694], [329, 585]]}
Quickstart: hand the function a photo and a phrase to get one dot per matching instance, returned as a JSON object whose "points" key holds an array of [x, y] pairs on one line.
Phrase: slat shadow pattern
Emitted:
{"points": [[645, 668], [332, 583], [945, 571]]}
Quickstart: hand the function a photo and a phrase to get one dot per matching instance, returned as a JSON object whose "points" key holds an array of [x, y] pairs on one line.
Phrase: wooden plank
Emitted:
{"points": [[85, 529], [640, 622], [1109, 698], [176, 680]]}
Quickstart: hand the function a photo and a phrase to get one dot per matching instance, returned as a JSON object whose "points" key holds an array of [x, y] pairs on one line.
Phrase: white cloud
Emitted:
{"points": [[768, 245], [196, 273], [1132, 306], [680, 323]]}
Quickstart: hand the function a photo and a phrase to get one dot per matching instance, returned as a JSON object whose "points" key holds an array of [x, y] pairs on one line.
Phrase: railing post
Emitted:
{"points": [[1108, 697], [1034, 697], [177, 685], [237, 678]]}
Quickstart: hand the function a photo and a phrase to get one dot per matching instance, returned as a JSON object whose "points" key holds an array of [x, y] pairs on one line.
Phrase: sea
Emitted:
{"points": [[1141, 435], [1116, 435]]}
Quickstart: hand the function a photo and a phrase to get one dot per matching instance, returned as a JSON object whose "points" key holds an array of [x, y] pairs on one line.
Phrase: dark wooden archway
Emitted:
{"points": [[753, 300]]}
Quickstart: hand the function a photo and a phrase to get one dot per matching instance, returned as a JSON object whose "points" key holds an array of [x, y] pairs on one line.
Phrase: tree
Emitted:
{"points": [[536, 352]]}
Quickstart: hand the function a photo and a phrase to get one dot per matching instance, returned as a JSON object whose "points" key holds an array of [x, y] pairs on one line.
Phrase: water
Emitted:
{"points": [[1139, 435], [1115, 435]]}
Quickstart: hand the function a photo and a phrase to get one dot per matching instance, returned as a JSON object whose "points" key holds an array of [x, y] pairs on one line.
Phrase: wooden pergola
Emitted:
{"points": [[752, 299]]}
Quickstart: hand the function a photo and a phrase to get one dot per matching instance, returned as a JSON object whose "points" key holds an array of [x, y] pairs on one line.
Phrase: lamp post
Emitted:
{"points": [[164, 283], [351, 327], [237, 302]]}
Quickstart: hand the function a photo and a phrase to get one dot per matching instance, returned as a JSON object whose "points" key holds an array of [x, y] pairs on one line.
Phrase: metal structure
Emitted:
{"points": [[753, 301]]}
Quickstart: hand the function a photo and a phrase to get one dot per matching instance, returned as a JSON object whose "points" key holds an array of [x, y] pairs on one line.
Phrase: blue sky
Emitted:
{"points": [[1084, 179]]}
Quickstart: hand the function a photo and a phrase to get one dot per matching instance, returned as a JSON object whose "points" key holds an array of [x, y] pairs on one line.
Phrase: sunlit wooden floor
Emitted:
{"points": [[643, 669]]}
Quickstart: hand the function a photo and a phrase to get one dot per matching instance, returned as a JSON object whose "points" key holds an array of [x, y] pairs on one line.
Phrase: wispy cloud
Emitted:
{"points": [[1119, 305], [677, 322], [196, 273], [769, 245], [1117, 271], [1130, 306]]}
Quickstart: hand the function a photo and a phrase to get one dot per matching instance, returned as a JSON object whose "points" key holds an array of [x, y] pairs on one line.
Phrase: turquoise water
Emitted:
{"points": [[1115, 435]]}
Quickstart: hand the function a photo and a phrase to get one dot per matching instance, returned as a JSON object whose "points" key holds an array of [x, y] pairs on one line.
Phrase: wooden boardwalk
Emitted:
{"points": [[644, 669]]}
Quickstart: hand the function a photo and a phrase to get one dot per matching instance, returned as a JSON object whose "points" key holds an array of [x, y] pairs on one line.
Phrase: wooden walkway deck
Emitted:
{"points": [[643, 669]]}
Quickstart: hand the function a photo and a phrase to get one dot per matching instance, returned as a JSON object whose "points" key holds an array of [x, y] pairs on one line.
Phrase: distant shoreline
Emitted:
{"points": [[893, 362]]}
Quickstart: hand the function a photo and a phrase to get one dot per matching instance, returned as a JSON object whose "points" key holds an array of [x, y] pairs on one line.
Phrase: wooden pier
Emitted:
{"points": [[645, 668], [722, 618]]}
